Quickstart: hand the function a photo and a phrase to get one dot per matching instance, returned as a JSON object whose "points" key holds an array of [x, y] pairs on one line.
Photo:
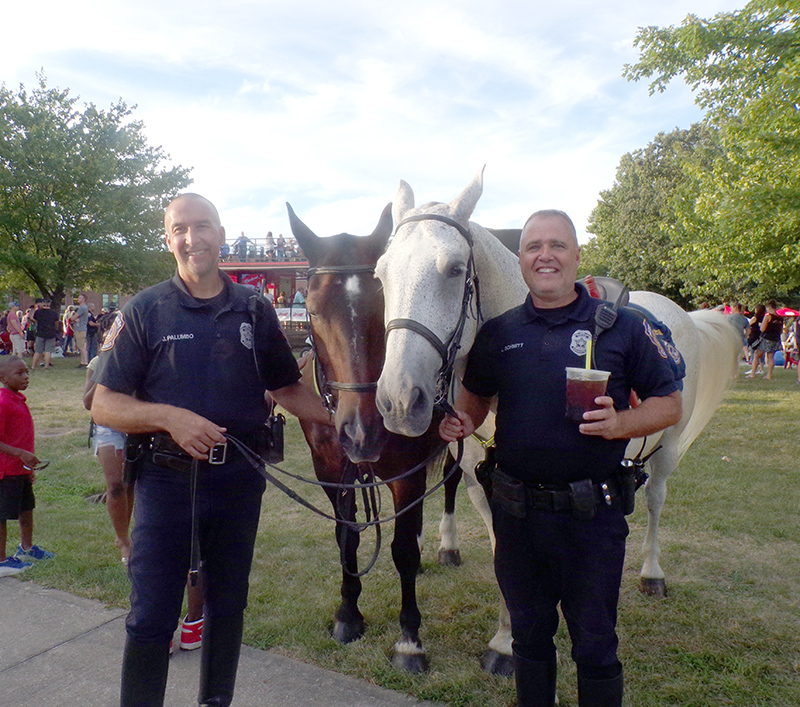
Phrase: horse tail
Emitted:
{"points": [[719, 348], [437, 465]]}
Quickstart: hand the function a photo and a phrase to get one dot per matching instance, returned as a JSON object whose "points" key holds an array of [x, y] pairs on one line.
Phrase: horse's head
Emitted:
{"points": [[345, 308], [424, 274]]}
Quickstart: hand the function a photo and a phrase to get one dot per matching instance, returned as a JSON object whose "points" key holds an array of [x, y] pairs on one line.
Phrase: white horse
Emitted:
{"points": [[423, 274]]}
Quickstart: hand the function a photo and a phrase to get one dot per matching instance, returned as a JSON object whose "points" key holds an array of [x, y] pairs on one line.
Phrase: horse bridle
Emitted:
{"points": [[323, 384], [447, 350]]}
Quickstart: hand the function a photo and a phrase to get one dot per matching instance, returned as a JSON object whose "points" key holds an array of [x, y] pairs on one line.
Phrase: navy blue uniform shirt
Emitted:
{"points": [[168, 347], [521, 357]]}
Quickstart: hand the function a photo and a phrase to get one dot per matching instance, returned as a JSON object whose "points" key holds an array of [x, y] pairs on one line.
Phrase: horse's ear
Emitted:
{"points": [[464, 204], [307, 239], [383, 230], [403, 202]]}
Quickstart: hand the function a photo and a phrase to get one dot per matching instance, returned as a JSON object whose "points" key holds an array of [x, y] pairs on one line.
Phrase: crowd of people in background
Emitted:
{"points": [[72, 332], [766, 331], [268, 248]]}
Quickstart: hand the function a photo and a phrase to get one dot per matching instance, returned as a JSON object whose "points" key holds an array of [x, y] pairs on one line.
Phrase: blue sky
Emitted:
{"points": [[328, 105]]}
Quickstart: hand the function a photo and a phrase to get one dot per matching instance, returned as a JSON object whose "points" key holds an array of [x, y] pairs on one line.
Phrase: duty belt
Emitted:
{"points": [[545, 497], [164, 451]]}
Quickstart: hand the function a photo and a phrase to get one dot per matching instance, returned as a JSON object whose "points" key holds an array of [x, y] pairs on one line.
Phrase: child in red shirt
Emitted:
{"points": [[17, 465]]}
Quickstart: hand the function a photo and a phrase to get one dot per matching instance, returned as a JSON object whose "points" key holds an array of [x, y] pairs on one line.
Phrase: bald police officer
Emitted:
{"points": [[186, 362], [559, 538]]}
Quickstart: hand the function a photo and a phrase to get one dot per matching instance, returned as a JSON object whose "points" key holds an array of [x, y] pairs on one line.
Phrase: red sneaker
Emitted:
{"points": [[191, 634]]}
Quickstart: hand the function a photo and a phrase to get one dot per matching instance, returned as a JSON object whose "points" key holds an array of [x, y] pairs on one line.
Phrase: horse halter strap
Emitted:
{"points": [[446, 350], [324, 386]]}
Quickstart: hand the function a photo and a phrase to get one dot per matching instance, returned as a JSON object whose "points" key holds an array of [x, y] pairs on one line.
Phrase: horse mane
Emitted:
{"points": [[718, 368], [498, 269]]}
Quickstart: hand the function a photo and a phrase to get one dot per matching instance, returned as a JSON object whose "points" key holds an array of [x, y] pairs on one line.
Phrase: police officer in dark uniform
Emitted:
{"points": [[557, 496], [186, 362]]}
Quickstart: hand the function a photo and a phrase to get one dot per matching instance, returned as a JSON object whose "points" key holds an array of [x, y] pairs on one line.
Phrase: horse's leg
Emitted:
{"points": [[449, 554], [408, 653], [497, 659], [348, 623], [651, 579]]}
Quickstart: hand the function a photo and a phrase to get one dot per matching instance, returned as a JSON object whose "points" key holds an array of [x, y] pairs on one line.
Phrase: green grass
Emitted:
{"points": [[730, 534]]}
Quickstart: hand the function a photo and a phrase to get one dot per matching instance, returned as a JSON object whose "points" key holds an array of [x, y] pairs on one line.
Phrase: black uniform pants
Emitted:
{"points": [[228, 508], [549, 557]]}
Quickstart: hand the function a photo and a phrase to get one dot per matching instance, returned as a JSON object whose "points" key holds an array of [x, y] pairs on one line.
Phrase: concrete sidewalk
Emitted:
{"points": [[58, 649]]}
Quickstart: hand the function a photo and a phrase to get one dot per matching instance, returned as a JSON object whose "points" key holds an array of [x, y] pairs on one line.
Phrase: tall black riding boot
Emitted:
{"points": [[536, 682], [600, 693], [222, 642], [144, 674]]}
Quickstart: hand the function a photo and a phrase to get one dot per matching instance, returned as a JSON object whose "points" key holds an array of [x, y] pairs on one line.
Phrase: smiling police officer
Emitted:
{"points": [[186, 362], [556, 499]]}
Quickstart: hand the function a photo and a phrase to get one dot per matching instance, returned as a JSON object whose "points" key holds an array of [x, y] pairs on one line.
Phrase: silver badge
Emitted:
{"points": [[578, 343], [246, 334]]}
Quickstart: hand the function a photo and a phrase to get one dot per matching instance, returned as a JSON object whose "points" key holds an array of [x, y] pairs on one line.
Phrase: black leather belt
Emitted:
{"points": [[166, 452]]}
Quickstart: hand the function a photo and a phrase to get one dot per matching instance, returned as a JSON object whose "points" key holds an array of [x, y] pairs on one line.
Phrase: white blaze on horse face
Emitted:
{"points": [[352, 288]]}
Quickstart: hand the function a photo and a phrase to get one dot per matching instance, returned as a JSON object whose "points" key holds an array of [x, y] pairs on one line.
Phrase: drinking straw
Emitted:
{"points": [[589, 354]]}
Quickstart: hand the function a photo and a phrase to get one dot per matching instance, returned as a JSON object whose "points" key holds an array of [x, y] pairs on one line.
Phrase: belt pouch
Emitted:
{"points": [[627, 489], [508, 493], [273, 436], [583, 502]]}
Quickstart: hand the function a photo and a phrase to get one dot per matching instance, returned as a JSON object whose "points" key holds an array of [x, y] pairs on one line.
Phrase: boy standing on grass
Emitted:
{"points": [[17, 464]]}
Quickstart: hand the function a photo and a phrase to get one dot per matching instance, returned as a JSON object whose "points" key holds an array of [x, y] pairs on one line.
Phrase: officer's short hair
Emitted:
{"points": [[550, 213]]}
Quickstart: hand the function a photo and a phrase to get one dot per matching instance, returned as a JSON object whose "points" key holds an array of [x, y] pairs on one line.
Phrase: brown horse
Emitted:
{"points": [[345, 309]]}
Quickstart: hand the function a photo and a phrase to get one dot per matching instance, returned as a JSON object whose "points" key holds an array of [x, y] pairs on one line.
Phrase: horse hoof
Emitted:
{"points": [[416, 662], [653, 587], [450, 558], [347, 632], [497, 663]]}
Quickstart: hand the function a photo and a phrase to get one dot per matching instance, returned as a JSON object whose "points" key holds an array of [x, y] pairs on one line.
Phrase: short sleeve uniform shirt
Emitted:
{"points": [[521, 357], [167, 347]]}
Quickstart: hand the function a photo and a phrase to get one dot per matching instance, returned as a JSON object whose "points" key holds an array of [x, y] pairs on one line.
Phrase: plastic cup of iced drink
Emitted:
{"points": [[583, 386]]}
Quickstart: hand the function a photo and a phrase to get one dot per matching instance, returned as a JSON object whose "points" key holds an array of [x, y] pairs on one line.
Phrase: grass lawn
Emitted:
{"points": [[730, 533]]}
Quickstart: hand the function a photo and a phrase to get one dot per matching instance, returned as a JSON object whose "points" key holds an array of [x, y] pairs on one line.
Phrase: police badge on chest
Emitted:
{"points": [[246, 335], [579, 339]]}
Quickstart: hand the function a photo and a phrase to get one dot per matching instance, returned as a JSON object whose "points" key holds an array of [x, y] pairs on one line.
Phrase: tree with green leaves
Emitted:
{"points": [[82, 196], [634, 222], [743, 228]]}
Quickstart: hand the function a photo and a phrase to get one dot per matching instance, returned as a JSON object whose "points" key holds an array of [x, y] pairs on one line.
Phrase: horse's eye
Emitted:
{"points": [[455, 271]]}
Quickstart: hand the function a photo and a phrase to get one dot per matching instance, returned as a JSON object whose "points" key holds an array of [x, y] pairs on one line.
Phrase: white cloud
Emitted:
{"points": [[328, 105]]}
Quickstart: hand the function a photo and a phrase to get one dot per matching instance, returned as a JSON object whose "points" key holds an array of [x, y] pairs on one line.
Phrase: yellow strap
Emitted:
{"points": [[484, 442]]}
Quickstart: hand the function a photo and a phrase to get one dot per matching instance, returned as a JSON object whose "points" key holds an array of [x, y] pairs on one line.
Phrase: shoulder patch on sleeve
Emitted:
{"points": [[653, 335], [113, 332]]}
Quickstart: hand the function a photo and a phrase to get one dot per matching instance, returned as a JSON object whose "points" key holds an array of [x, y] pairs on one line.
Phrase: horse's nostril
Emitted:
{"points": [[384, 404], [418, 401]]}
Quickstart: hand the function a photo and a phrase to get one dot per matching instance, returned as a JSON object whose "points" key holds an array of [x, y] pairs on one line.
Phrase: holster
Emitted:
{"points": [[484, 470], [136, 446]]}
